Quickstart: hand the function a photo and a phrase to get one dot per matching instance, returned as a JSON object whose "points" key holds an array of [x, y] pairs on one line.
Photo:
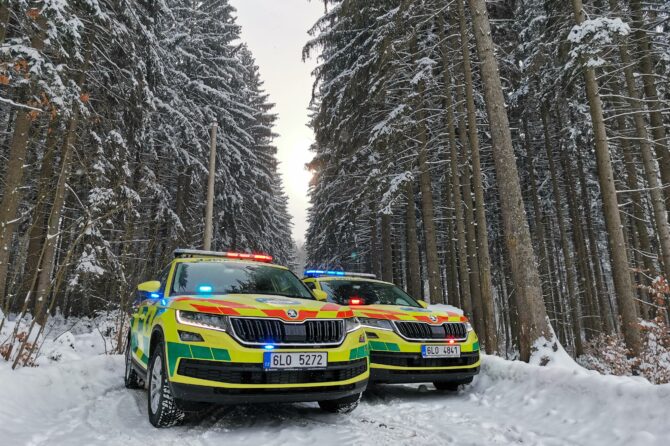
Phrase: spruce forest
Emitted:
{"points": [[106, 112], [510, 158], [195, 193]]}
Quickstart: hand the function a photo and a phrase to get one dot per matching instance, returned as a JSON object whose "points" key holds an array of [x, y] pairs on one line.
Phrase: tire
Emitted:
{"points": [[162, 407], [342, 405], [131, 378], [452, 386]]}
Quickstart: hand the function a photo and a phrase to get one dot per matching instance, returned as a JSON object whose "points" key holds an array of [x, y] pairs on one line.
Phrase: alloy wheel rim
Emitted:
{"points": [[156, 383]]}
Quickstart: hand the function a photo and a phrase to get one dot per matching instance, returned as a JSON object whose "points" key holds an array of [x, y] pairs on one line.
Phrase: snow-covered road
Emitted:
{"points": [[83, 402]]}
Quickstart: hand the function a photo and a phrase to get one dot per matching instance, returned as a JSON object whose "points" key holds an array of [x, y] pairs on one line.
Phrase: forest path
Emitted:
{"points": [[84, 403]]}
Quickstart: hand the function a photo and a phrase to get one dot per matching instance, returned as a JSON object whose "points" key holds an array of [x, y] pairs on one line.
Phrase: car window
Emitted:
{"points": [[236, 278], [311, 285], [370, 293]]}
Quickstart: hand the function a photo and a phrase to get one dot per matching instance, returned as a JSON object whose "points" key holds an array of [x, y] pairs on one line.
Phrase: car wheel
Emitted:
{"points": [[163, 409], [131, 379], [342, 405]]}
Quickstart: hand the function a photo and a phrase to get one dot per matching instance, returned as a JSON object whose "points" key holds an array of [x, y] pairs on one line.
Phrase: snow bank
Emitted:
{"points": [[80, 400], [584, 406]]}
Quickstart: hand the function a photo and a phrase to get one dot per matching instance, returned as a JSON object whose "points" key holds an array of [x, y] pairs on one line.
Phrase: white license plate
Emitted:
{"points": [[441, 351], [276, 361]]}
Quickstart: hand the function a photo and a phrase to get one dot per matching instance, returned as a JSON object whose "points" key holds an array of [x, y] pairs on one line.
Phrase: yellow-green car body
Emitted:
{"points": [[408, 342], [223, 348]]}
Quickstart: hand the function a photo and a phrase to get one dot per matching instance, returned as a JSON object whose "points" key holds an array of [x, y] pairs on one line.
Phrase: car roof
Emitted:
{"points": [[350, 278]]}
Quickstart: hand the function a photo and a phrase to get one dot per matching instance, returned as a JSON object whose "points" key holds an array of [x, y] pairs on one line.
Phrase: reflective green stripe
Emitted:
{"points": [[201, 352], [475, 346], [392, 347], [221, 354], [384, 346], [358, 353], [176, 351], [379, 346]]}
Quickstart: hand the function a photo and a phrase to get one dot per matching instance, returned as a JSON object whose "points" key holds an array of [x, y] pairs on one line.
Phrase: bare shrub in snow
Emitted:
{"points": [[607, 354]]}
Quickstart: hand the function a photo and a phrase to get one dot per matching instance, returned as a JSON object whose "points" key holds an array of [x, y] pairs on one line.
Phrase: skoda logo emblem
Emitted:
{"points": [[292, 314], [433, 318]]}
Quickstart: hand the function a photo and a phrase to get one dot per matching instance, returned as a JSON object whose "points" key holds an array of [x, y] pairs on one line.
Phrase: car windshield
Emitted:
{"points": [[370, 293], [236, 278]]}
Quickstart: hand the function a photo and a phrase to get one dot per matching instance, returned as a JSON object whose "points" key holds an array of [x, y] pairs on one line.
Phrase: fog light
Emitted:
{"points": [[187, 336]]}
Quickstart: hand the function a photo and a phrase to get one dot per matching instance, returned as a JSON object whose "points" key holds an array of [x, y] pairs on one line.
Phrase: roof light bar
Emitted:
{"points": [[179, 253], [319, 273]]}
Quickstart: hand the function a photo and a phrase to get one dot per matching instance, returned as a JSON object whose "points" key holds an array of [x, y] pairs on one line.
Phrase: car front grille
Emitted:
{"points": [[416, 360], [420, 331], [258, 331], [242, 373]]}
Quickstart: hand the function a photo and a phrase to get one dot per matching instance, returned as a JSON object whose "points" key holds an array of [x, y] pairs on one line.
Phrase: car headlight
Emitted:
{"points": [[351, 324], [203, 320], [468, 326], [382, 324]]}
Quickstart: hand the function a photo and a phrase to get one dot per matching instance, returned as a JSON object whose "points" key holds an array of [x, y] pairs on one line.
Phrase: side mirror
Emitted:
{"points": [[149, 287], [320, 295], [422, 303]]}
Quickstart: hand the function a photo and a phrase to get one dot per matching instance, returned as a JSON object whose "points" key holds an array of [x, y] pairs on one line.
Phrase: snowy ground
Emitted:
{"points": [[80, 400]]}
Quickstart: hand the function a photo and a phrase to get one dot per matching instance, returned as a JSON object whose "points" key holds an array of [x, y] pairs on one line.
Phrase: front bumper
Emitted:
{"points": [[221, 370], [396, 360], [224, 396]]}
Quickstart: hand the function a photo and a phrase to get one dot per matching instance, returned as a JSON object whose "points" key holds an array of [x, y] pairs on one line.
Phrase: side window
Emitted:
{"points": [[310, 285]]}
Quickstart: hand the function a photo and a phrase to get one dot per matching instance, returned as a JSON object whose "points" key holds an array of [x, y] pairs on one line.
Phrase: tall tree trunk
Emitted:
{"points": [[620, 265], [376, 266], [13, 178], [650, 92], [435, 293], [484, 258], [37, 232], [449, 246], [648, 161], [53, 227], [590, 322], [4, 20], [566, 249], [545, 270], [387, 249], [413, 263], [601, 291], [464, 275], [533, 322]]}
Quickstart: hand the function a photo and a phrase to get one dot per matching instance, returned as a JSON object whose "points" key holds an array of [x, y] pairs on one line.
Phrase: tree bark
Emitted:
{"points": [[435, 293], [601, 291], [575, 307], [620, 265], [412, 241], [15, 166], [535, 331], [540, 238], [484, 258], [650, 92], [387, 249], [648, 161]]}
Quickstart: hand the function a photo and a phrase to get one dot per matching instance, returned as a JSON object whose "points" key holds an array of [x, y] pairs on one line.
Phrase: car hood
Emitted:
{"points": [[260, 305], [409, 314]]}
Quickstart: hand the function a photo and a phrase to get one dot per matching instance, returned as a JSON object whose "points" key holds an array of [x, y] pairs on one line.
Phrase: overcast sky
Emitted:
{"points": [[276, 31]]}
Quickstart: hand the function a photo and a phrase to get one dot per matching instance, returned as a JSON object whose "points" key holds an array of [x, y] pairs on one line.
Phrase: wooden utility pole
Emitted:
{"points": [[209, 213]]}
